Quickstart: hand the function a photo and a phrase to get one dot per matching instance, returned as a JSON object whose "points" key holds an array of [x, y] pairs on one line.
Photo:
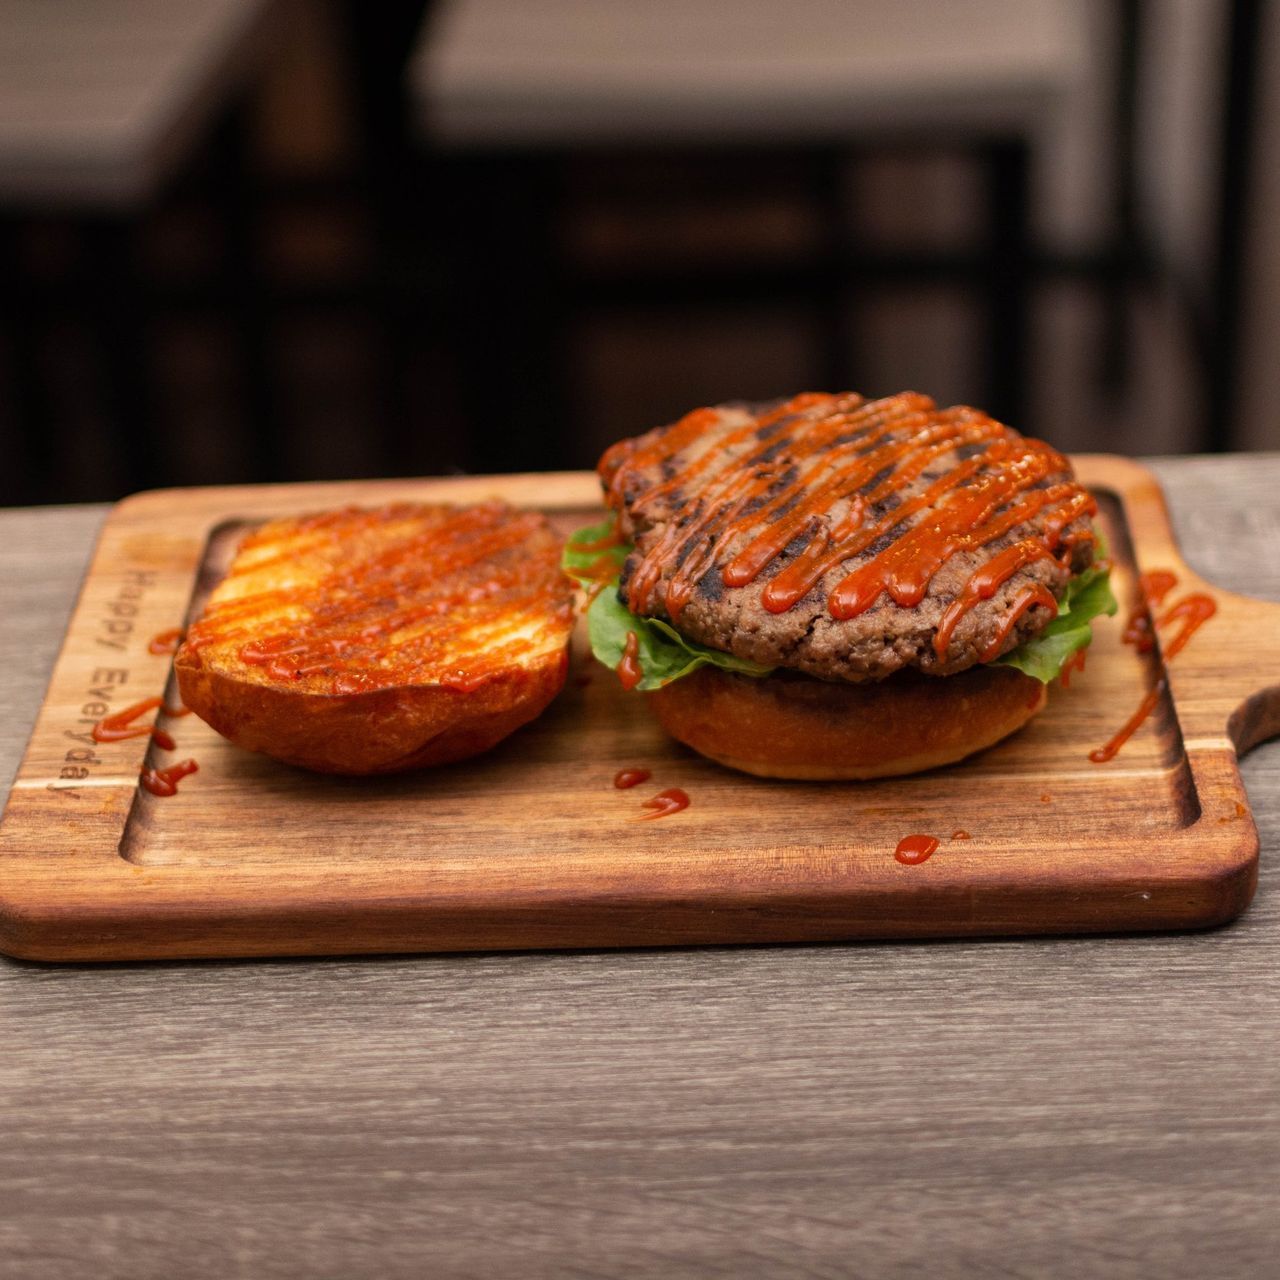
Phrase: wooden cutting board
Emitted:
{"points": [[532, 846]]}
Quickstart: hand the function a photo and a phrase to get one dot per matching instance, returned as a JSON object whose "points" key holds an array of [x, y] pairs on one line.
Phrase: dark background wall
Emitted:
{"points": [[360, 338]]}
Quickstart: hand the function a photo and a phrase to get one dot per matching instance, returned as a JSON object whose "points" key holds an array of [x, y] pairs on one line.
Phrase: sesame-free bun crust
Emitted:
{"points": [[375, 641], [383, 731], [785, 726]]}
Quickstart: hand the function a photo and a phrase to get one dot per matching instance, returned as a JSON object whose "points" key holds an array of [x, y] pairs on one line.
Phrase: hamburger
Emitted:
{"points": [[835, 587]]}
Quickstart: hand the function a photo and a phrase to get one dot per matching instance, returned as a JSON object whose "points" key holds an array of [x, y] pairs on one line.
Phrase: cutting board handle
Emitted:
{"points": [[1227, 680]]}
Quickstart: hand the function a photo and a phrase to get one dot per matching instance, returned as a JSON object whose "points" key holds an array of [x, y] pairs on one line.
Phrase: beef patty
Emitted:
{"points": [[848, 538]]}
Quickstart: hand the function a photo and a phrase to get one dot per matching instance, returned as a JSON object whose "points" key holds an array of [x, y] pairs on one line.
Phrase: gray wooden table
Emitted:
{"points": [[1071, 1107]]}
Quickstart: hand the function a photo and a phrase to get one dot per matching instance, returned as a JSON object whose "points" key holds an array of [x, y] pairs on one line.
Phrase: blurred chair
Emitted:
{"points": [[1221, 314], [507, 93], [100, 104]]}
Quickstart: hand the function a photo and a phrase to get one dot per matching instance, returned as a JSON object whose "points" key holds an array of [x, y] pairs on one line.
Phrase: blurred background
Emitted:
{"points": [[249, 240]]}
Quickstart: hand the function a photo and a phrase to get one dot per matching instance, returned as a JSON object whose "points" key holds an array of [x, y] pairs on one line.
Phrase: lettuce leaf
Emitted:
{"points": [[580, 563], [666, 655], [1088, 596]]}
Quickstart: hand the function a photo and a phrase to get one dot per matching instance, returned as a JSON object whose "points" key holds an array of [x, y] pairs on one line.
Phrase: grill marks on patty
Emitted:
{"points": [[832, 534]]}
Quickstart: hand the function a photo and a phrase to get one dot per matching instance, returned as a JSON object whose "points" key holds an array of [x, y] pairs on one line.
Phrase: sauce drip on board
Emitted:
{"points": [[164, 782], [456, 595], [1152, 589], [961, 835], [165, 642], [913, 850], [123, 724], [1192, 611], [1109, 750], [1156, 584], [828, 495], [626, 778], [665, 803]]}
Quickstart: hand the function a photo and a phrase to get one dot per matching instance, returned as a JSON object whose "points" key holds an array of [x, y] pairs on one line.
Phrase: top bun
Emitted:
{"points": [[376, 641]]}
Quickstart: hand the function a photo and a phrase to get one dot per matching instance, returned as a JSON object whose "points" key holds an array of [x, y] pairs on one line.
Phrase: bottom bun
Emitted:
{"points": [[794, 726]]}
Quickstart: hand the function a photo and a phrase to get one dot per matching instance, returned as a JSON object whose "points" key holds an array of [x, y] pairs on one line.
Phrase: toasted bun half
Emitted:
{"points": [[374, 641], [381, 731], [794, 726]]}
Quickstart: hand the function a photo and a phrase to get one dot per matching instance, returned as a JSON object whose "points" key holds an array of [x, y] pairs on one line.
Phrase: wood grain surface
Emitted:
{"points": [[531, 845], [1067, 1107]]}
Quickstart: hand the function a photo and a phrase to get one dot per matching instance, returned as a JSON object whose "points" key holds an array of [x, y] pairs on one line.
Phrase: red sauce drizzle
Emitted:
{"points": [[625, 778], [1100, 755], [1073, 663], [1157, 584], [1152, 589], [600, 573], [630, 673], [665, 803], [822, 500], [438, 587], [912, 850], [165, 642], [1193, 611], [164, 782], [611, 539], [1034, 595], [961, 835], [121, 724]]}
